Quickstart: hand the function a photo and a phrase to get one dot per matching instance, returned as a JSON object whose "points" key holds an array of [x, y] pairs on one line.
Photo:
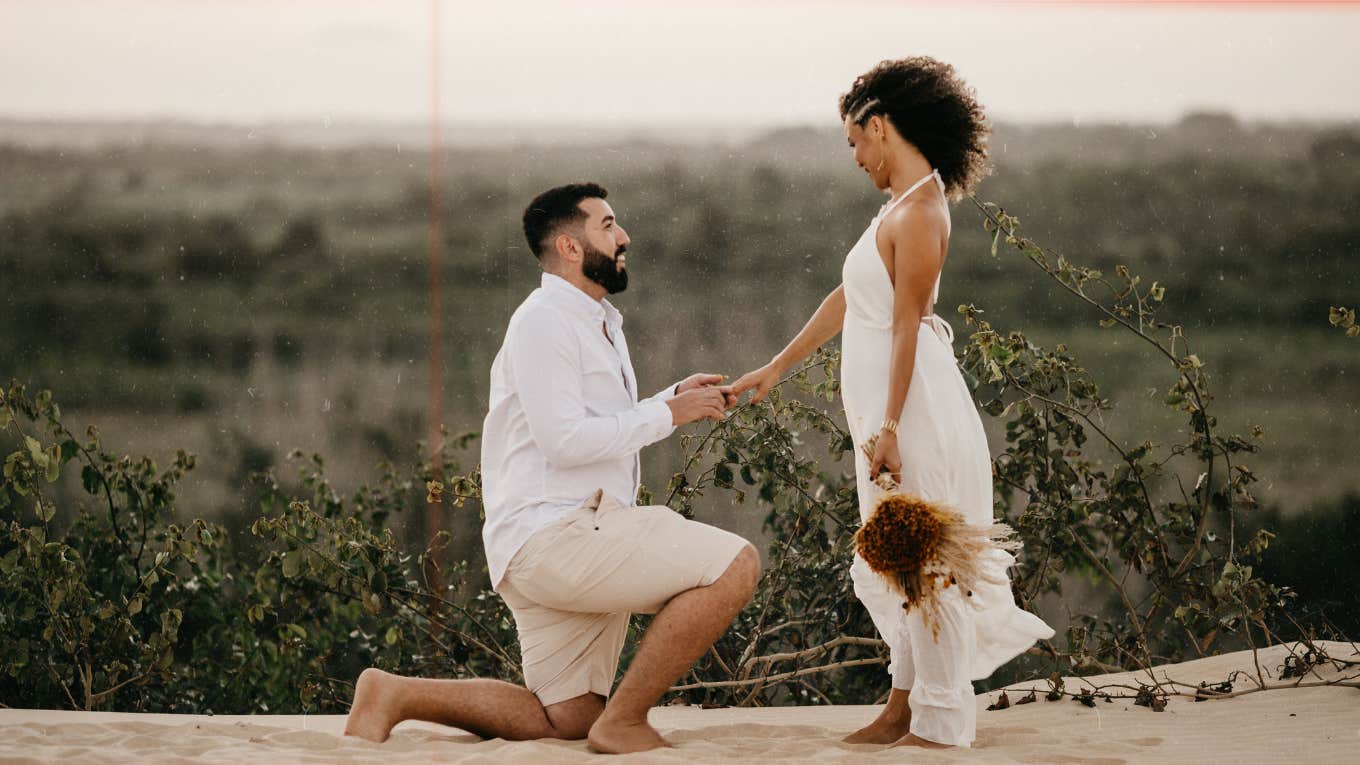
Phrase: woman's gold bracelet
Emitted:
{"points": [[890, 425]]}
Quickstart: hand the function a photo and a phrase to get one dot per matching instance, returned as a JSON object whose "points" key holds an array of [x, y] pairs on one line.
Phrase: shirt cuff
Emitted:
{"points": [[658, 419], [667, 394]]}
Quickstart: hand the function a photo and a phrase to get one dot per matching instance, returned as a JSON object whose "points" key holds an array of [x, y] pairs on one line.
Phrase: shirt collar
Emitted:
{"points": [[571, 297]]}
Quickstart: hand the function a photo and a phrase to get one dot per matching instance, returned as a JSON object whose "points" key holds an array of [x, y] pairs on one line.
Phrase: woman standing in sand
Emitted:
{"points": [[920, 135]]}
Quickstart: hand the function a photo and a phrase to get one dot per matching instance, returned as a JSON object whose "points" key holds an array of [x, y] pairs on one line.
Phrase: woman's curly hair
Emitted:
{"points": [[932, 109]]}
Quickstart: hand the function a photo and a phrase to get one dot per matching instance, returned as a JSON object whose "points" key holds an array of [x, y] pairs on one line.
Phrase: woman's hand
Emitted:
{"points": [[759, 380], [886, 458]]}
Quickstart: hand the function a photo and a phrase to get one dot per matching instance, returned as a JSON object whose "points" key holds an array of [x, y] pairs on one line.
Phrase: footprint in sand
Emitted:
{"points": [[1126, 746], [1073, 760], [991, 737]]}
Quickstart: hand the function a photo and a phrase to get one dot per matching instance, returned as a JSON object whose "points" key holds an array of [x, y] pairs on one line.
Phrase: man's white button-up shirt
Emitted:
{"points": [[564, 419]]}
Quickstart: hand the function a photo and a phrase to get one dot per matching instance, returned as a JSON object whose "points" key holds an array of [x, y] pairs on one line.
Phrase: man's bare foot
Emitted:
{"points": [[911, 739], [371, 714], [883, 730], [609, 736]]}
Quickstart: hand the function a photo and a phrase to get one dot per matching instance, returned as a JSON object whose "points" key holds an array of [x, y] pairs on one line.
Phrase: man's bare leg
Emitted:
{"points": [[892, 723], [678, 636], [488, 708]]}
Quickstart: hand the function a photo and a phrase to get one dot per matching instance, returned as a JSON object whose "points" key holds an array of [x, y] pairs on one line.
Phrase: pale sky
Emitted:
{"points": [[697, 61]]}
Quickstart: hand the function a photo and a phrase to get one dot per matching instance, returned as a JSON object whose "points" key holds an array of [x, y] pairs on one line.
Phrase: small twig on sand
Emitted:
{"points": [[771, 679]]}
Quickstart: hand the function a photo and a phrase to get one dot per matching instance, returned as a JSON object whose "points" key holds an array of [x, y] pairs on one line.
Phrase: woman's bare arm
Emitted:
{"points": [[825, 323], [912, 241]]}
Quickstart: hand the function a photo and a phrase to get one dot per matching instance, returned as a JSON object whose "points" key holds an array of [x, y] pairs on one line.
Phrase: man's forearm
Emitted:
{"points": [[571, 441]]}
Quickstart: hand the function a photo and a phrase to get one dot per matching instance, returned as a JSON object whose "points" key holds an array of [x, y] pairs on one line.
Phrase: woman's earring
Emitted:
{"points": [[882, 154]]}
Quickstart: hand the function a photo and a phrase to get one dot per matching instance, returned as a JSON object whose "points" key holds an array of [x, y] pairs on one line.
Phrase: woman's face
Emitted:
{"points": [[868, 146]]}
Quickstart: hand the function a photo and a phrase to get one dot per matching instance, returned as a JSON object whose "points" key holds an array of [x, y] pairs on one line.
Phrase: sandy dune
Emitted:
{"points": [[1314, 724]]}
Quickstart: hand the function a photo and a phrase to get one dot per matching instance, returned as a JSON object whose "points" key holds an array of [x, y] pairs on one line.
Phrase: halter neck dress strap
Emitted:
{"points": [[890, 204]]}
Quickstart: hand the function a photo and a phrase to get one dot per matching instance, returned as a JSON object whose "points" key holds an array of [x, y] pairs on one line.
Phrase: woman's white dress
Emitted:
{"points": [[944, 459]]}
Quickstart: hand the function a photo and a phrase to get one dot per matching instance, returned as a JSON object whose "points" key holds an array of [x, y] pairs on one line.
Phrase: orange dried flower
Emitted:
{"points": [[924, 547], [902, 535]]}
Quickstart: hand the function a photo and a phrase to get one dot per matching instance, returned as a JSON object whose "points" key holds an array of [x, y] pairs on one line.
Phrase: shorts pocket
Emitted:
{"points": [[542, 543]]}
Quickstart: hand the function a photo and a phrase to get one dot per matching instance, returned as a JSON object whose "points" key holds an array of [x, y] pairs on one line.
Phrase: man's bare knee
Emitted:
{"points": [[745, 568], [571, 719]]}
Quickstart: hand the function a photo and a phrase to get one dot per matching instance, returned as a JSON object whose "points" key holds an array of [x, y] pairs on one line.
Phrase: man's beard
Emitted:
{"points": [[602, 269]]}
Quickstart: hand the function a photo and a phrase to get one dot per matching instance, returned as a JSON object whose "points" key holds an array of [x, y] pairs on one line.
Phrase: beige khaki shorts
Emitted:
{"points": [[573, 585]]}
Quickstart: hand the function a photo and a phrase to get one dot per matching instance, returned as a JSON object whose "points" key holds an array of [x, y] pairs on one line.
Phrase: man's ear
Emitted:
{"points": [[567, 248]]}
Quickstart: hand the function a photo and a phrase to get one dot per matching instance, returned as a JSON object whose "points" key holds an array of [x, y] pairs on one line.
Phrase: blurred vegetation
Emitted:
{"points": [[116, 602], [1318, 550], [242, 298], [210, 291]]}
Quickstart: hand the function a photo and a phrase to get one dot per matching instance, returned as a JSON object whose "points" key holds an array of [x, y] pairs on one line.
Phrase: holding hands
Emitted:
{"points": [[700, 397], [705, 380], [884, 455], [758, 380]]}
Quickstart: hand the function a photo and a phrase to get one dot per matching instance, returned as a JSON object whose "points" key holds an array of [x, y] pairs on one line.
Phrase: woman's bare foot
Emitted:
{"points": [[609, 736], [372, 714], [885, 729], [911, 739]]}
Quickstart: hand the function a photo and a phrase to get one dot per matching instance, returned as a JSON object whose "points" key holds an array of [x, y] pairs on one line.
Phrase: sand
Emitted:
{"points": [[1308, 724]]}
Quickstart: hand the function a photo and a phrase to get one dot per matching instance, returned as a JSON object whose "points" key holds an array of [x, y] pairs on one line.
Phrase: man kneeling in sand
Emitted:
{"points": [[566, 548]]}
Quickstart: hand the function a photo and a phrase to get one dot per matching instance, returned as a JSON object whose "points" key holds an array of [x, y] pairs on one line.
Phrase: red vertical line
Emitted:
{"points": [[436, 440]]}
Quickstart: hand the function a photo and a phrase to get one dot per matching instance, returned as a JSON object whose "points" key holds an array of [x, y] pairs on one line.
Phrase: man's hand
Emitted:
{"points": [[703, 403], [705, 380]]}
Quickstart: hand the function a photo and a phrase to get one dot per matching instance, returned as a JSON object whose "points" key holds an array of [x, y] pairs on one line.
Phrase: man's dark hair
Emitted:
{"points": [[555, 207], [932, 109]]}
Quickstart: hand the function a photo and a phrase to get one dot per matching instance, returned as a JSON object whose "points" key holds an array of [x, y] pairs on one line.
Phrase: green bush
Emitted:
{"points": [[127, 609], [132, 607]]}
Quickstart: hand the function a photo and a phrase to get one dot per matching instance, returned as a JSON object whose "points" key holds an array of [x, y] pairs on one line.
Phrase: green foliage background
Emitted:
{"points": [[241, 300]]}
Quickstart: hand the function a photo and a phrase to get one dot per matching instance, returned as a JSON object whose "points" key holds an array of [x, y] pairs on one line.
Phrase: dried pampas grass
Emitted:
{"points": [[923, 548]]}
